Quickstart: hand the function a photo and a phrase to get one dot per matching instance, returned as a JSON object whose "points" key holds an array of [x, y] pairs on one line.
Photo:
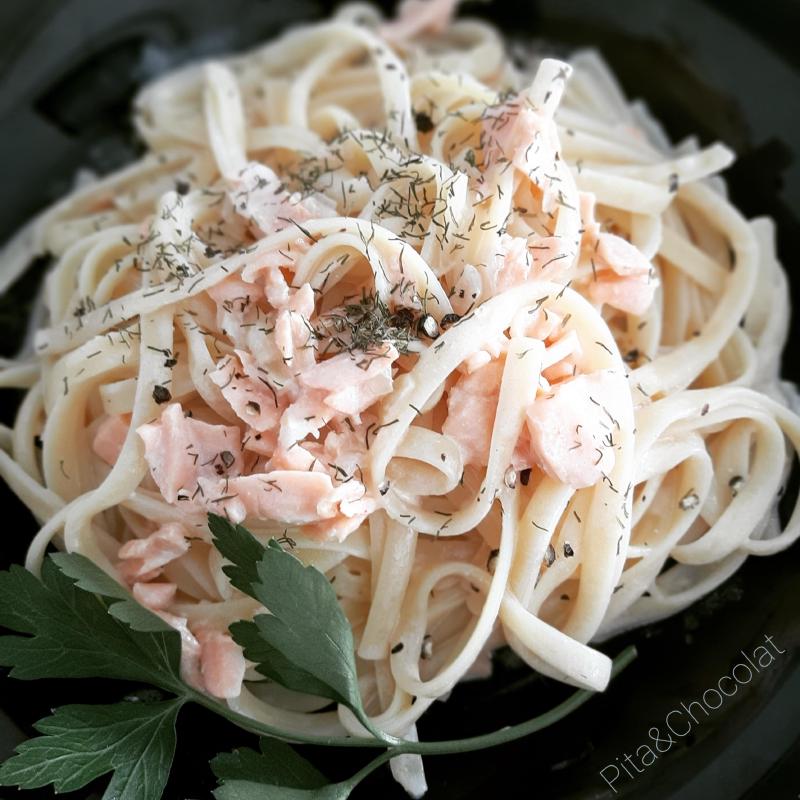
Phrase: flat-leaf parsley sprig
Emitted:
{"points": [[77, 622], [305, 643]]}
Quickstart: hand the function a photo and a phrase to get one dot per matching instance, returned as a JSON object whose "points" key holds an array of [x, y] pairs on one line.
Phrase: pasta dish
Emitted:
{"points": [[457, 324]]}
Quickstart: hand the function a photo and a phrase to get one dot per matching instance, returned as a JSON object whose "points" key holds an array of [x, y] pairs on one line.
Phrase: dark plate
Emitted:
{"points": [[727, 71]]}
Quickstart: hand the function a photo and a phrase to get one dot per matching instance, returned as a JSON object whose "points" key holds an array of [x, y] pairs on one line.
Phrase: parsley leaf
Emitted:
{"points": [[249, 790], [272, 663], [89, 577], [276, 773], [305, 642], [134, 740], [75, 634], [77, 622], [241, 548], [277, 763]]}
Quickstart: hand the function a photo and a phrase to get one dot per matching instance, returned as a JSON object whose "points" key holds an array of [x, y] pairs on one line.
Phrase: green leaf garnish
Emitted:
{"points": [[240, 548], [249, 790], [277, 763], [88, 577], [271, 663], [244, 552], [75, 634], [77, 622], [276, 773], [135, 741], [305, 642]]}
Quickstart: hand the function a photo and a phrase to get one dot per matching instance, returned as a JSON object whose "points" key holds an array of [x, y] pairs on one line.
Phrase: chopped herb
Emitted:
{"points": [[365, 326]]}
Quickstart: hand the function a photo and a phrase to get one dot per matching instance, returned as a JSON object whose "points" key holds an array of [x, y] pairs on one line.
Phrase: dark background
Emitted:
{"points": [[725, 70]]}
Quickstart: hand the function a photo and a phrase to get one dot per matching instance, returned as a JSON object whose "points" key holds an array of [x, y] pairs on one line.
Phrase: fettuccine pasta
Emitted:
{"points": [[474, 339]]}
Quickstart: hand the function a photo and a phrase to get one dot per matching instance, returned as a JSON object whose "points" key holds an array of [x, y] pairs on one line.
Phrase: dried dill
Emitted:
{"points": [[367, 324]]}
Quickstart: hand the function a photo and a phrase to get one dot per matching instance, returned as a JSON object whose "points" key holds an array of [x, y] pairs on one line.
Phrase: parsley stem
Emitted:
{"points": [[512, 732], [263, 729], [376, 762], [386, 738], [502, 736]]}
